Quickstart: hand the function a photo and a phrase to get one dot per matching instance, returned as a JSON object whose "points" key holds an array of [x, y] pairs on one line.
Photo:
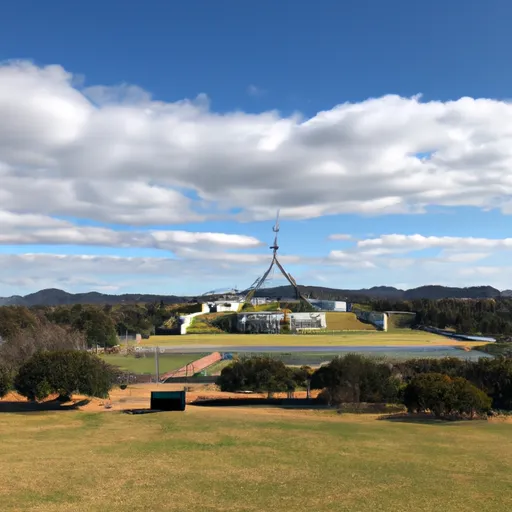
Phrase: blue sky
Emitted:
{"points": [[125, 119]]}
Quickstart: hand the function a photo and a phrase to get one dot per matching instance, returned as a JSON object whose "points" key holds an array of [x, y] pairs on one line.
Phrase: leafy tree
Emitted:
{"points": [[429, 391], [450, 366], [475, 316], [260, 374], [494, 377], [356, 378], [444, 396], [97, 322], [65, 372], [24, 343], [5, 381], [302, 375], [14, 319], [98, 326], [468, 399]]}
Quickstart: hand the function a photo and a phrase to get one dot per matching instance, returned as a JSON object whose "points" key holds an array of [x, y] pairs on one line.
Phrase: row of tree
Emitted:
{"points": [[446, 386], [262, 374], [485, 316], [101, 325], [48, 359]]}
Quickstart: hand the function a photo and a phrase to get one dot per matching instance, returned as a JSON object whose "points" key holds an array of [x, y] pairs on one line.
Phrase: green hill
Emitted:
{"points": [[337, 321]]}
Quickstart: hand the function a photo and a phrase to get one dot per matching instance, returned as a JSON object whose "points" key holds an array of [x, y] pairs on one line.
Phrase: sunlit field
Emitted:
{"points": [[244, 459], [146, 363], [402, 337]]}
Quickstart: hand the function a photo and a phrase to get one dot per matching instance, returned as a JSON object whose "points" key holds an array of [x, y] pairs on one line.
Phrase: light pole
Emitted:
{"points": [[157, 368]]}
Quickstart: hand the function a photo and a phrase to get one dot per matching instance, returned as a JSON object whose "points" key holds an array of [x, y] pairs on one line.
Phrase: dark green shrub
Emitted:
{"points": [[429, 392], [356, 378], [260, 374], [302, 375], [450, 366], [444, 396], [225, 323], [494, 377], [468, 399], [65, 373]]}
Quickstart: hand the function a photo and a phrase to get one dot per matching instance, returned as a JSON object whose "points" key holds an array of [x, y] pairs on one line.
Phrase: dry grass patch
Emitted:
{"points": [[267, 459], [338, 321], [403, 337]]}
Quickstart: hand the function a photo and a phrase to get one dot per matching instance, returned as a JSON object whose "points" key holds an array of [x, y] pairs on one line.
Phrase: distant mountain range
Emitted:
{"points": [[388, 292], [55, 297]]}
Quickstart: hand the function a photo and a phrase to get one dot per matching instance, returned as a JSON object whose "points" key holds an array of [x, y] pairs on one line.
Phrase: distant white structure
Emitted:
{"points": [[257, 301], [329, 305], [307, 321], [186, 320], [222, 306], [380, 320], [266, 322], [271, 322]]}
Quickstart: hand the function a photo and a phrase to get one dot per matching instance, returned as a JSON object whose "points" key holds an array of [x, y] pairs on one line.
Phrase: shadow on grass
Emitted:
{"points": [[51, 405], [426, 419], [282, 403]]}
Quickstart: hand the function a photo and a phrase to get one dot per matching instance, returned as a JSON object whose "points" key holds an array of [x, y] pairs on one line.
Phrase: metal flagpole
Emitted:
{"points": [[157, 368]]}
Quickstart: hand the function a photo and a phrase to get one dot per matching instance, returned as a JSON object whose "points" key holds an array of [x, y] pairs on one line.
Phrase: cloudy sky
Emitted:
{"points": [[148, 149]]}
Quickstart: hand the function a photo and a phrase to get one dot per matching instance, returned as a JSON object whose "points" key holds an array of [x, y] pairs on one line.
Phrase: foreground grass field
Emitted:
{"points": [[402, 337], [250, 460]]}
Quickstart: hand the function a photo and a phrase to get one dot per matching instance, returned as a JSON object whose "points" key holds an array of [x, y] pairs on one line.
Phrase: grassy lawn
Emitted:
{"points": [[250, 460], [338, 321], [167, 362], [402, 337], [216, 368]]}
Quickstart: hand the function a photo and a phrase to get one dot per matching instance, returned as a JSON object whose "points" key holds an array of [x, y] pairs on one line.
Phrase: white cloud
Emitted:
{"points": [[484, 271], [340, 236], [194, 271], [197, 273], [450, 263], [397, 250], [221, 239], [463, 257], [349, 260], [9, 220], [113, 154], [407, 243], [39, 229], [254, 90], [192, 254], [117, 156]]}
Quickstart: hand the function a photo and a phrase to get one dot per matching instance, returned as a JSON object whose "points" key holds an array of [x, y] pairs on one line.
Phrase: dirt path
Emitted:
{"points": [[133, 397]]}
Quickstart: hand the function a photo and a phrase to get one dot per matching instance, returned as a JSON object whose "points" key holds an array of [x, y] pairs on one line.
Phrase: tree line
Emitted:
{"points": [[43, 349], [447, 387], [472, 316], [53, 359], [101, 325]]}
